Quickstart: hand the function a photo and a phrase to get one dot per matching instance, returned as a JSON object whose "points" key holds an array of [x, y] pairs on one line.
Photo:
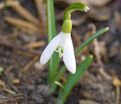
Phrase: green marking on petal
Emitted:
{"points": [[57, 49]]}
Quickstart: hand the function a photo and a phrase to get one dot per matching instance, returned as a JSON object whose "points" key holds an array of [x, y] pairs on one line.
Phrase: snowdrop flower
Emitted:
{"points": [[62, 43]]}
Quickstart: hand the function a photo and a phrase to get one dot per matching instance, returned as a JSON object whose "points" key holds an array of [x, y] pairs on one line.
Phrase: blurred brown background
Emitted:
{"points": [[23, 36]]}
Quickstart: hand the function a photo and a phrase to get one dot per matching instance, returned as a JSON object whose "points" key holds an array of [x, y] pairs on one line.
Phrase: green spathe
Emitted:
{"points": [[67, 26]]}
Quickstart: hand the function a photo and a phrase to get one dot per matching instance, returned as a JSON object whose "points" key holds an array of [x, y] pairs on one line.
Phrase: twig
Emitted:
{"points": [[20, 48]]}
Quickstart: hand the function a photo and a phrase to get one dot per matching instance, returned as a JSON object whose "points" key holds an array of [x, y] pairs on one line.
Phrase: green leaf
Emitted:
{"points": [[97, 34], [5, 4], [51, 20], [59, 84], [62, 70], [72, 80], [75, 6], [1, 70], [54, 61], [57, 78]]}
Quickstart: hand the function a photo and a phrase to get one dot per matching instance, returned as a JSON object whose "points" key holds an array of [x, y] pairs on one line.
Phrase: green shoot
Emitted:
{"points": [[54, 61]]}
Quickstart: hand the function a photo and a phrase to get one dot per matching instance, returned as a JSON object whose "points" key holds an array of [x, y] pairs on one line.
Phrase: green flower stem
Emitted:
{"points": [[74, 7]]}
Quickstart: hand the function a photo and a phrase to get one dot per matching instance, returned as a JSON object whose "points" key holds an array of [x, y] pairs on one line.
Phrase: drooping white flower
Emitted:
{"points": [[62, 44]]}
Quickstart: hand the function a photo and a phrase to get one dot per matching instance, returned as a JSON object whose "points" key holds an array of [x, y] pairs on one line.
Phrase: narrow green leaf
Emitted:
{"points": [[51, 20], [57, 78], [59, 84], [75, 6], [1, 70], [62, 70], [72, 80], [5, 4], [97, 34], [54, 61]]}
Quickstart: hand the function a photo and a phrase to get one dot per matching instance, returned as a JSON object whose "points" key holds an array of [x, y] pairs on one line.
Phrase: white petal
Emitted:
{"points": [[63, 40], [68, 55], [51, 47]]}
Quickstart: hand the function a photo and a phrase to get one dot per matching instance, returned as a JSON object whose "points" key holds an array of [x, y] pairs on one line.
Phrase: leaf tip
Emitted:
{"points": [[107, 28], [1, 69], [91, 56], [86, 9]]}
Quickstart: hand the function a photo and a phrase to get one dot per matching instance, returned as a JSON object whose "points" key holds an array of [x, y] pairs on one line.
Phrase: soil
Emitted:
{"points": [[20, 85]]}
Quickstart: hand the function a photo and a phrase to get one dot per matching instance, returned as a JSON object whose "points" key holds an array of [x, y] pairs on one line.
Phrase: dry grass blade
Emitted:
{"points": [[99, 47], [6, 101], [9, 69], [35, 45], [26, 26], [117, 84], [20, 48], [41, 10], [30, 63], [21, 10], [42, 14], [99, 53], [9, 91]]}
